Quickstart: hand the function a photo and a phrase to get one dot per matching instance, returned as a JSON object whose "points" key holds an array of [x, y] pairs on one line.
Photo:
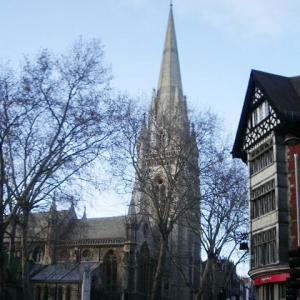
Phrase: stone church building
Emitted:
{"points": [[114, 258]]}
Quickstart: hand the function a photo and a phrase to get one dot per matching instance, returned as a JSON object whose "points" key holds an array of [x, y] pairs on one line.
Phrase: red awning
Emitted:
{"points": [[271, 278]]}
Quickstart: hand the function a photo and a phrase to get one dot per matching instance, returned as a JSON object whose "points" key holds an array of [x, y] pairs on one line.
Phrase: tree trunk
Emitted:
{"points": [[2, 258], [159, 270], [24, 261], [205, 280], [2, 228], [12, 246], [213, 282]]}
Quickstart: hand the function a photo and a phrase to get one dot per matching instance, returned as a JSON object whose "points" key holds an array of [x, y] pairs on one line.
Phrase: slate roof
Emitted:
{"points": [[283, 93], [96, 228], [68, 272]]}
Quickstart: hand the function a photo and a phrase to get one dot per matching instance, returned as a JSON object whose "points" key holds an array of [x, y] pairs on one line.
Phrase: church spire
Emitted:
{"points": [[170, 78]]}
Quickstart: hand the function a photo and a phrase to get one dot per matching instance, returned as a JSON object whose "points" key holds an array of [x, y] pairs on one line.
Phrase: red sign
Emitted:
{"points": [[271, 278]]}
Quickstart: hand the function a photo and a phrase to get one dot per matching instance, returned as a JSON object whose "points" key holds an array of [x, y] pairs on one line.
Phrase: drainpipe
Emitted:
{"points": [[297, 195]]}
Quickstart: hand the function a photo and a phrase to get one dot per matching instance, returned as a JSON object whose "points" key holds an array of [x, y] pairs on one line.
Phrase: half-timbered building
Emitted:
{"points": [[266, 140]]}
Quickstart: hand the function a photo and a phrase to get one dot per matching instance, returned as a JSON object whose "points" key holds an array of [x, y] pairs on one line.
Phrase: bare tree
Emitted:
{"points": [[224, 216], [169, 161], [164, 158], [224, 207], [57, 118]]}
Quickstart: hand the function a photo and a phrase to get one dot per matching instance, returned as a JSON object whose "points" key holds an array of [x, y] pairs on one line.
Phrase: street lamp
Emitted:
{"points": [[244, 242]]}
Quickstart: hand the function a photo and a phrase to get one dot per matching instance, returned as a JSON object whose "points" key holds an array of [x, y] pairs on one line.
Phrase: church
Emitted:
{"points": [[114, 258]]}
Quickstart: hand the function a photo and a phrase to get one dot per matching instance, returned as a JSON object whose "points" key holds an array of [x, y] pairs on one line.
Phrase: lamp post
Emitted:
{"points": [[296, 167]]}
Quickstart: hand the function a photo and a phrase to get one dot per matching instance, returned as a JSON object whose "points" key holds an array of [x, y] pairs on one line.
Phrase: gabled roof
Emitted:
{"points": [[68, 272], [282, 93]]}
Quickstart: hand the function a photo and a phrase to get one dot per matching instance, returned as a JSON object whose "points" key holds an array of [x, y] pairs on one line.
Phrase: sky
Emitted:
{"points": [[219, 42]]}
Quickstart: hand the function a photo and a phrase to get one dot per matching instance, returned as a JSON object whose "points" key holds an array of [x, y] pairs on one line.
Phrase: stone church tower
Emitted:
{"points": [[168, 163]]}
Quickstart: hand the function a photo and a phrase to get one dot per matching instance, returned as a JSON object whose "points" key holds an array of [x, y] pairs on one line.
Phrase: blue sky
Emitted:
{"points": [[219, 42]]}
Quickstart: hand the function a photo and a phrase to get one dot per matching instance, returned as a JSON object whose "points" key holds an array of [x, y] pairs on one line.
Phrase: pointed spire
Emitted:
{"points": [[72, 211], [131, 211], [53, 207], [170, 77], [84, 214]]}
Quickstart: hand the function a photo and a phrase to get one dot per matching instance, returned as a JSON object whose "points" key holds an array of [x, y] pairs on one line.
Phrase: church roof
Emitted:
{"points": [[96, 228], [282, 93], [38, 225], [67, 272]]}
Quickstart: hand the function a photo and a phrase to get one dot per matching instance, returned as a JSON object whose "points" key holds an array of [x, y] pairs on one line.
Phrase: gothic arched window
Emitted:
{"points": [[160, 190], [46, 293], [64, 254], [146, 230], [60, 293], [37, 254], [110, 271], [38, 293], [68, 293], [144, 270]]}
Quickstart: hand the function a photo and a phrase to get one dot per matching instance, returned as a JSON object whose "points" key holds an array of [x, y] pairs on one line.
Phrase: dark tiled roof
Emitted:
{"points": [[283, 93], [68, 272], [96, 228]]}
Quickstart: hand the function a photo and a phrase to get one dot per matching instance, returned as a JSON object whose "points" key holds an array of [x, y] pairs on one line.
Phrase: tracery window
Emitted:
{"points": [[263, 199], [160, 191], [146, 230], [110, 271], [86, 255], [37, 254], [264, 248]]}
